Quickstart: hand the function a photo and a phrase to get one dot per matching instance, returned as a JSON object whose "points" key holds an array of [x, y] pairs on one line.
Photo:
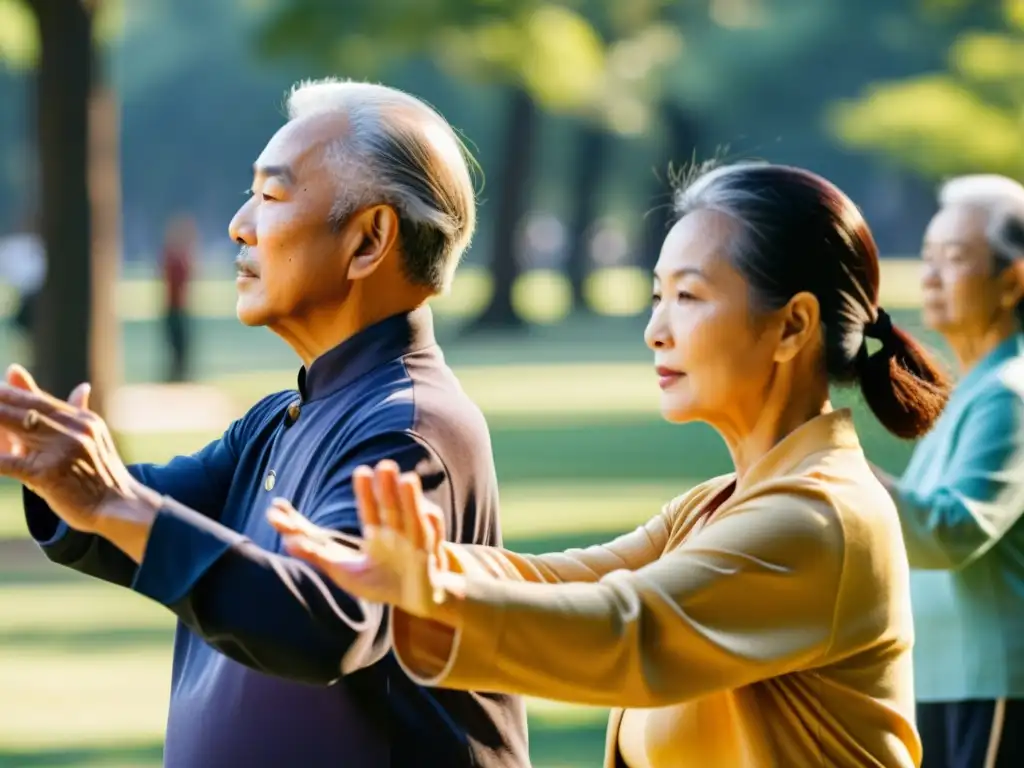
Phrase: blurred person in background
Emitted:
{"points": [[961, 497], [177, 262], [362, 205], [23, 268], [761, 619]]}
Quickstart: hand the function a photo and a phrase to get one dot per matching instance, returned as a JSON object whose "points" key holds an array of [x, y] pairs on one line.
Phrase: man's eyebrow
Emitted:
{"points": [[279, 171]]}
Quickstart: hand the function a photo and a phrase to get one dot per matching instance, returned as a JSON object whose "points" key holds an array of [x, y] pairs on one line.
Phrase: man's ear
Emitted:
{"points": [[801, 318], [372, 233]]}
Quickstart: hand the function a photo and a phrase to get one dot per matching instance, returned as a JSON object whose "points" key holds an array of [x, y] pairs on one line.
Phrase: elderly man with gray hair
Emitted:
{"points": [[961, 497], [361, 206]]}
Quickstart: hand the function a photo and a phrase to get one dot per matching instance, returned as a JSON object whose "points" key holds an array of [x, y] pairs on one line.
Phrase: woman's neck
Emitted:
{"points": [[749, 439]]}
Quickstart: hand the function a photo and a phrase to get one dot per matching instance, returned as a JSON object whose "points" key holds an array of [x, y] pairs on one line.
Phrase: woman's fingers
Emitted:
{"points": [[366, 497], [386, 487], [410, 495], [285, 519]]}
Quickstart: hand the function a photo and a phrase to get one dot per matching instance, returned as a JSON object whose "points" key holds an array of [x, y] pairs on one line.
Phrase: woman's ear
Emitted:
{"points": [[800, 319]]}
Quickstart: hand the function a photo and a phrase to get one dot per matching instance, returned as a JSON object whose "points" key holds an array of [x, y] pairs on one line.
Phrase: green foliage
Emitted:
{"points": [[19, 38], [934, 125], [19, 44], [552, 49], [967, 119]]}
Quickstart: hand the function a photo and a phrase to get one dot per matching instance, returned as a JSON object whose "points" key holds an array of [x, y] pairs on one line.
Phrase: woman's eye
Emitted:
{"points": [[685, 296]]}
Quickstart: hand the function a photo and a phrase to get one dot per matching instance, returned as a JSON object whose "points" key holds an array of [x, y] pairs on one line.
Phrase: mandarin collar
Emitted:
{"points": [[374, 346], [827, 431], [1010, 347]]}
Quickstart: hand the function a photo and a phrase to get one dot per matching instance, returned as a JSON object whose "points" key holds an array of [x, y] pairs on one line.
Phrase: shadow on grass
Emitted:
{"points": [[575, 746], [98, 640], [550, 747], [26, 567], [135, 755]]}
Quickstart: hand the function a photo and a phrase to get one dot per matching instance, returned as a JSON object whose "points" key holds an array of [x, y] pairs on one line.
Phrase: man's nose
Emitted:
{"points": [[241, 228]]}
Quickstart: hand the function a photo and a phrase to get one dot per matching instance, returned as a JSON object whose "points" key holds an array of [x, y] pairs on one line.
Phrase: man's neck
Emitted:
{"points": [[324, 328]]}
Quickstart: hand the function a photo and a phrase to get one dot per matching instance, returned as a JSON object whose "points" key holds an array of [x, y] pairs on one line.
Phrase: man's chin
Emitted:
{"points": [[252, 316]]}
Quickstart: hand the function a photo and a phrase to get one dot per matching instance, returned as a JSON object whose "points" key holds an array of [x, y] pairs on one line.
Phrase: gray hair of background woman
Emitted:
{"points": [[1001, 199]]}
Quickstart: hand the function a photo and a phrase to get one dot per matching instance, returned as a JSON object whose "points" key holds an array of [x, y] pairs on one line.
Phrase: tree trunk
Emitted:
{"points": [[515, 176], [62, 113], [590, 161], [105, 191], [76, 332]]}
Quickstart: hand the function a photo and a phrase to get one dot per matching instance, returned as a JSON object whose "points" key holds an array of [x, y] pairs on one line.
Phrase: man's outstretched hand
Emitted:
{"points": [[60, 449]]}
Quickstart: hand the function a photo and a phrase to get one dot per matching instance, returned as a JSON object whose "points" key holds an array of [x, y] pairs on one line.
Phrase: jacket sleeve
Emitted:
{"points": [[983, 493], [267, 610], [629, 552], [200, 481], [749, 596]]}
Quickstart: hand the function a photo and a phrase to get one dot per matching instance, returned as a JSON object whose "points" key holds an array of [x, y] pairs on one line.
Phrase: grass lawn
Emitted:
{"points": [[581, 454]]}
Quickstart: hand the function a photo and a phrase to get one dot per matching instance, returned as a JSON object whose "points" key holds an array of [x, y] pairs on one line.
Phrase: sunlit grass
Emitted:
{"points": [[541, 296]]}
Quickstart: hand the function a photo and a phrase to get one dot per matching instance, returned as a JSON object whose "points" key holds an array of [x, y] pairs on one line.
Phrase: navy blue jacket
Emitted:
{"points": [[274, 666]]}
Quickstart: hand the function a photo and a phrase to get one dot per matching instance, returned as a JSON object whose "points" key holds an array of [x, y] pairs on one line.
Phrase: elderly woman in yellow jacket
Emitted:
{"points": [[760, 619]]}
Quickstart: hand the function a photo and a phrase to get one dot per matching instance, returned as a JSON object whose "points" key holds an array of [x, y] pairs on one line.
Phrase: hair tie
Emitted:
{"points": [[880, 328]]}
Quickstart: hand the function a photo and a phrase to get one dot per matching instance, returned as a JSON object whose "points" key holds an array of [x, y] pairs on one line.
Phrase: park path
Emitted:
{"points": [[163, 408]]}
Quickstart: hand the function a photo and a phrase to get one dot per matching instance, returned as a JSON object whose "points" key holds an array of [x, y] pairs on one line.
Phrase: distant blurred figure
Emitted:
{"points": [[178, 259], [962, 495], [23, 267]]}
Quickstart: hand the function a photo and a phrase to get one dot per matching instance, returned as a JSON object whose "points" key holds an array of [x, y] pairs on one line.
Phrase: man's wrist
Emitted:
{"points": [[126, 519]]}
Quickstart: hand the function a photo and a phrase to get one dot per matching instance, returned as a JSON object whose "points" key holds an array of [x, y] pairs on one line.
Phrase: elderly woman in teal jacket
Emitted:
{"points": [[962, 496]]}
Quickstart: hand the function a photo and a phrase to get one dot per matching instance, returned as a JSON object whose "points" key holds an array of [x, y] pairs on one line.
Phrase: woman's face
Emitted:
{"points": [[963, 291], [715, 357]]}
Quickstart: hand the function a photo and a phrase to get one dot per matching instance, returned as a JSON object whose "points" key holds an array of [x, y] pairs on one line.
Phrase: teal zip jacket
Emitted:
{"points": [[960, 503]]}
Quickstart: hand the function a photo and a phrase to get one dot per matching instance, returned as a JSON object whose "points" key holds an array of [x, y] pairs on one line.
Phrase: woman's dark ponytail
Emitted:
{"points": [[902, 383]]}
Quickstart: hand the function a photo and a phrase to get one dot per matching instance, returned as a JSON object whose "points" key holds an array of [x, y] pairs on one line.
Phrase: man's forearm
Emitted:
{"points": [[267, 611]]}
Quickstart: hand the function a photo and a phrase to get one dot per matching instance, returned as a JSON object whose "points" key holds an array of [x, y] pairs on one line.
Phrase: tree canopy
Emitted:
{"points": [[967, 118]]}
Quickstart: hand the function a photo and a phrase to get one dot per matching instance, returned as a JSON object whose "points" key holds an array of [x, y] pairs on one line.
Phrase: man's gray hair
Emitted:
{"points": [[1002, 201], [399, 151]]}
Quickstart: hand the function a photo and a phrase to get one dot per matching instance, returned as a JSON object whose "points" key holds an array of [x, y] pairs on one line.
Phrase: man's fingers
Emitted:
{"points": [[20, 378], [283, 517], [34, 399], [80, 396], [23, 426], [14, 467], [326, 556]]}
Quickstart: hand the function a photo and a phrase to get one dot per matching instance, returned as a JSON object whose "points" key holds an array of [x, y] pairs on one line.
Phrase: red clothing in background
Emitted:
{"points": [[177, 273]]}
